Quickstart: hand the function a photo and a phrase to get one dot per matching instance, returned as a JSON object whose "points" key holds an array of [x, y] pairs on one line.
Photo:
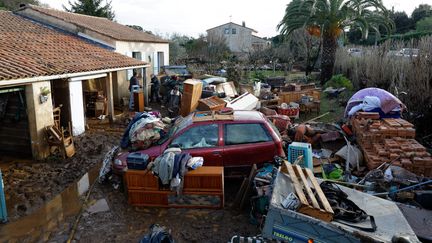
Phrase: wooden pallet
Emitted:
{"points": [[313, 204], [211, 116]]}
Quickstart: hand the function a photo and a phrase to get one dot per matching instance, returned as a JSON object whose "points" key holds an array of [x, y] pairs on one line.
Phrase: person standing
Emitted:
{"points": [[174, 98], [133, 81], [154, 89]]}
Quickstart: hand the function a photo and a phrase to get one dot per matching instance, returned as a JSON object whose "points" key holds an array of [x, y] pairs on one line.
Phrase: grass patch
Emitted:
{"points": [[335, 106]]}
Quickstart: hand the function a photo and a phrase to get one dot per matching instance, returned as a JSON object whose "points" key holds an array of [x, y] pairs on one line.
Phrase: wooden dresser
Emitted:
{"points": [[202, 188]]}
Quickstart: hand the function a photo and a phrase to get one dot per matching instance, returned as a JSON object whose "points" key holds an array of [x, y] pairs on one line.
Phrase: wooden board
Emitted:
{"points": [[312, 199]]}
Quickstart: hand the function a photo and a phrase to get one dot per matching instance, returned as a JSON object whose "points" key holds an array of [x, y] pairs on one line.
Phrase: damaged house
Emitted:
{"points": [[112, 36], [42, 68]]}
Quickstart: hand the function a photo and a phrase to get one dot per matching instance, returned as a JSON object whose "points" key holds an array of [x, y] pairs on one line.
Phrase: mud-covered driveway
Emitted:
{"points": [[125, 223]]}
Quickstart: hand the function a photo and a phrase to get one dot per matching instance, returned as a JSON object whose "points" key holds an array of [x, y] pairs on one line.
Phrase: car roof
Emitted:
{"points": [[239, 115]]}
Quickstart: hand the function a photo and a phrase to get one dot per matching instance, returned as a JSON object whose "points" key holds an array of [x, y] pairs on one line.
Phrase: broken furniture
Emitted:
{"points": [[62, 139], [202, 188], [245, 101], [212, 116], [296, 96], [293, 226], [95, 103], [310, 106], [138, 101], [56, 115], [228, 88], [212, 103], [192, 89]]}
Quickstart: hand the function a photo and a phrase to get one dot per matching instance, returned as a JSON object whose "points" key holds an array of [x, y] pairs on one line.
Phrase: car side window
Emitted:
{"points": [[204, 136], [245, 133]]}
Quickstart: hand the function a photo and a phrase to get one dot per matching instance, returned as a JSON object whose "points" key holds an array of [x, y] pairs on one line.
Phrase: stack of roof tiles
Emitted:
{"points": [[29, 49], [391, 140]]}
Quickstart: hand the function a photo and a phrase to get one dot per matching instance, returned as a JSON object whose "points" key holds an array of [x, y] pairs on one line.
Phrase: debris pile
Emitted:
{"points": [[393, 140]]}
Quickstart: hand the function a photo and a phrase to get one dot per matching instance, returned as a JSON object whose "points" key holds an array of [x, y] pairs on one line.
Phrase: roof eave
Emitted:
{"points": [[13, 82]]}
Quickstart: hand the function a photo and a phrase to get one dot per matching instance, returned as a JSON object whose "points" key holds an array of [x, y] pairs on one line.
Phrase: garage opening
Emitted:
{"points": [[14, 126]]}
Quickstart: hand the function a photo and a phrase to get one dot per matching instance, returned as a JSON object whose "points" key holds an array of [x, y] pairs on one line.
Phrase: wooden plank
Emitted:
{"points": [[297, 186], [239, 194], [306, 186], [246, 195], [320, 193]]}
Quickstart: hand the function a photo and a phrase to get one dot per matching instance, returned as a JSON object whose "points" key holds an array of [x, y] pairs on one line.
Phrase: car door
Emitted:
{"points": [[201, 141], [246, 144]]}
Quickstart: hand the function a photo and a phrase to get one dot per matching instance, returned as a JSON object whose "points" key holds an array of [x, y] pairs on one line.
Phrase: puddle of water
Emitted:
{"points": [[39, 225]]}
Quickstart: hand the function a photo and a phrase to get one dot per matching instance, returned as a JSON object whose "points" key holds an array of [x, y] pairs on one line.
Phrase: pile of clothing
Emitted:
{"points": [[145, 129], [263, 184], [172, 166]]}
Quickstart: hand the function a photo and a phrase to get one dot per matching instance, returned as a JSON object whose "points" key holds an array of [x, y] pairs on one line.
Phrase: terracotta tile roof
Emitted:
{"points": [[100, 25], [29, 49]]}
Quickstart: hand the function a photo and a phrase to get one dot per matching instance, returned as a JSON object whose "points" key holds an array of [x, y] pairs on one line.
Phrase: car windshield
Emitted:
{"points": [[179, 125]]}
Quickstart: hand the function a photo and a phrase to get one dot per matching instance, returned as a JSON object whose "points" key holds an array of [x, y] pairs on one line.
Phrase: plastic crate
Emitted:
{"points": [[290, 112], [297, 149]]}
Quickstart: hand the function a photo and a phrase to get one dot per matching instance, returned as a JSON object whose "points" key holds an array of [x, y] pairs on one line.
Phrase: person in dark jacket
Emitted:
{"points": [[154, 96], [133, 81], [174, 98]]}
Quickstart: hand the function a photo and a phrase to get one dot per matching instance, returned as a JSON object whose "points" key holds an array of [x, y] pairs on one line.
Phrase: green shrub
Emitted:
{"points": [[339, 81], [258, 75]]}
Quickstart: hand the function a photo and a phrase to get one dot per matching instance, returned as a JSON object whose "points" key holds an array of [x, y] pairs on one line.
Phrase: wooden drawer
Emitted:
{"points": [[148, 198], [208, 183], [141, 179], [207, 178], [170, 199]]}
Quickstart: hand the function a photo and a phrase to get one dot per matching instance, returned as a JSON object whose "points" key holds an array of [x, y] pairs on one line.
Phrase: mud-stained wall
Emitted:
{"points": [[39, 116], [39, 225]]}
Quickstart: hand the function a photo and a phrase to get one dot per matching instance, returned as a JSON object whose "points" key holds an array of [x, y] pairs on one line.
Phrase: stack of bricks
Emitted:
{"points": [[406, 153], [390, 139], [369, 129]]}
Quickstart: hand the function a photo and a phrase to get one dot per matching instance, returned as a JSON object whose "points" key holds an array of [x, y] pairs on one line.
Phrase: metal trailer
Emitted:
{"points": [[290, 226]]}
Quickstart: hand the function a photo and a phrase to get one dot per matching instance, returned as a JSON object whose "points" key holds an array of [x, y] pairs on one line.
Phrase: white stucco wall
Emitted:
{"points": [[148, 53]]}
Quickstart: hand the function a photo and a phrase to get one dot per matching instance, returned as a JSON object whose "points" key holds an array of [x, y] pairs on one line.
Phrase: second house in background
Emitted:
{"points": [[110, 35], [239, 38]]}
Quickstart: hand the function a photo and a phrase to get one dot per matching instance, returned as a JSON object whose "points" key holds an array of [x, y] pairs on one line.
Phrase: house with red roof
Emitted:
{"points": [[110, 35], [42, 67]]}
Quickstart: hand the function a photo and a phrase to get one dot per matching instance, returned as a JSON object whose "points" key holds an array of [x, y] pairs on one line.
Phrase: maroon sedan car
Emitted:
{"points": [[249, 138]]}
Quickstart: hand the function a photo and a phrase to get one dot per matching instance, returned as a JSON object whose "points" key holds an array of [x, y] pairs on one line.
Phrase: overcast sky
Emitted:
{"points": [[192, 17]]}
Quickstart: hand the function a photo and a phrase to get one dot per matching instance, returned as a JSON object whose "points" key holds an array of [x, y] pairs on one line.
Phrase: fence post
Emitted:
{"points": [[3, 210]]}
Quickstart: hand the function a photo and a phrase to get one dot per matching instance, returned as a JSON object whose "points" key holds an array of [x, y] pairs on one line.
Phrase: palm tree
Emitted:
{"points": [[329, 18]]}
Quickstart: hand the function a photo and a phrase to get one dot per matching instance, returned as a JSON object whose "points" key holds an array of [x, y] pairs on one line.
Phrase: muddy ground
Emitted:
{"points": [[125, 223], [29, 184]]}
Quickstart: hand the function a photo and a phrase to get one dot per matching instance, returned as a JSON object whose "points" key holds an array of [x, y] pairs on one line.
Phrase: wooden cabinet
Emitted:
{"points": [[138, 101], [202, 188], [192, 90]]}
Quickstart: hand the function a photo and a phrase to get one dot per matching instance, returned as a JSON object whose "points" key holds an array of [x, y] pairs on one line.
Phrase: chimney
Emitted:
{"points": [[244, 24]]}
